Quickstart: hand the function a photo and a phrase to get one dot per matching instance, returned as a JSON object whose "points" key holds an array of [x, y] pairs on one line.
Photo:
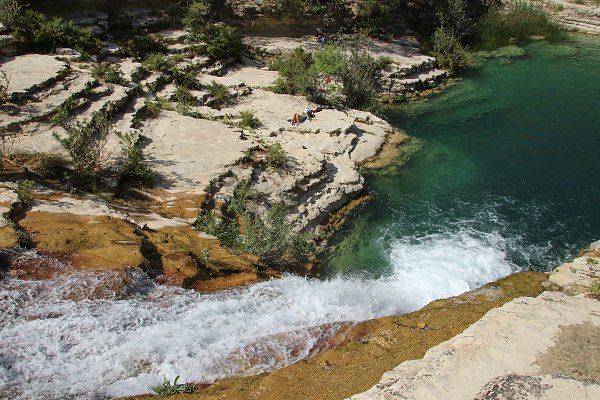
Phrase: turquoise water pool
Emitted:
{"points": [[506, 177]]}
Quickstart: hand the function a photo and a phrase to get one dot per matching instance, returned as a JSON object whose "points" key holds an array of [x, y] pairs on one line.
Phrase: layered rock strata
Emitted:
{"points": [[199, 157]]}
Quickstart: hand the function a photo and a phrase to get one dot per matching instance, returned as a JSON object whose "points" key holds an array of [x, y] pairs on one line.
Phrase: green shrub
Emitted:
{"points": [[519, 21], [185, 99], [453, 17], [595, 288], [223, 42], [249, 120], [449, 52], [164, 104], [329, 61], [274, 241], [187, 79], [219, 93], [276, 156], [63, 112], [86, 144], [25, 192], [9, 12], [295, 72], [241, 195], [303, 73], [141, 46], [108, 72], [46, 35], [226, 230], [198, 16], [168, 389], [361, 80], [374, 17], [135, 166], [158, 62], [151, 108]]}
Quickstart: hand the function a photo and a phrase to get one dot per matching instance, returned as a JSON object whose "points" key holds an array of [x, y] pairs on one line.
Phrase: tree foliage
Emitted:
{"points": [[449, 52], [9, 11], [45, 34], [86, 144]]}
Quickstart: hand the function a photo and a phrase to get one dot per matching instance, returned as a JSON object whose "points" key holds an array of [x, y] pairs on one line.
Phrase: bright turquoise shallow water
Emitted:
{"points": [[507, 178]]}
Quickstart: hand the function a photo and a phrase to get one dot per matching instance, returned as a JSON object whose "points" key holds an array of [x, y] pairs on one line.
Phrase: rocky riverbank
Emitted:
{"points": [[199, 156], [582, 16]]}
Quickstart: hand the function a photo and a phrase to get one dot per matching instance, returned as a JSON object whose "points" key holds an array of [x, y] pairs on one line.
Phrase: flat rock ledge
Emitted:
{"points": [[531, 348], [198, 158], [578, 15]]}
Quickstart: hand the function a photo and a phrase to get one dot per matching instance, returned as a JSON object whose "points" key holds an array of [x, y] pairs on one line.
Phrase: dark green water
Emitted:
{"points": [[507, 177]]}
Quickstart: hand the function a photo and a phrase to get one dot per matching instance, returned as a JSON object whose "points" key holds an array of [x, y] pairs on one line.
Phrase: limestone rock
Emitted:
{"points": [[8, 236], [189, 259], [30, 72], [507, 341], [187, 153], [247, 75], [274, 110], [90, 242], [577, 15], [577, 276]]}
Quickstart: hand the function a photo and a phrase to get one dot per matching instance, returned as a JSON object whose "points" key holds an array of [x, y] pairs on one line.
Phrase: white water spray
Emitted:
{"points": [[52, 346]]}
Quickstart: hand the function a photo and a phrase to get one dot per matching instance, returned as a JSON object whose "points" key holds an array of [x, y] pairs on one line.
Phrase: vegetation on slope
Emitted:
{"points": [[521, 20]]}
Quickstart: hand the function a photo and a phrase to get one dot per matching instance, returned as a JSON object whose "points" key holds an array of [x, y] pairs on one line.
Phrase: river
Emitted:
{"points": [[505, 179]]}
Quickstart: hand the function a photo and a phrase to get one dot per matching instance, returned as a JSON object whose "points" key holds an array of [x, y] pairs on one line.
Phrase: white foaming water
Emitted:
{"points": [[439, 266], [54, 347]]}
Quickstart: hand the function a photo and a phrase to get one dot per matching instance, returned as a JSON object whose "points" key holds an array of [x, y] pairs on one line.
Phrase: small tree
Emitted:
{"points": [[361, 79], [110, 73], [223, 41], [198, 16], [135, 166], [276, 156], [449, 52], [9, 10], [86, 144]]}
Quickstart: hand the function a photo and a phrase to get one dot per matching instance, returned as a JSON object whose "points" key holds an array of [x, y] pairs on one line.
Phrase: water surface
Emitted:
{"points": [[506, 177]]}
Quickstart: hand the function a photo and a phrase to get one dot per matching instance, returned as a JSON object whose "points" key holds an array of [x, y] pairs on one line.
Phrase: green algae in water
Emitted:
{"points": [[506, 180]]}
